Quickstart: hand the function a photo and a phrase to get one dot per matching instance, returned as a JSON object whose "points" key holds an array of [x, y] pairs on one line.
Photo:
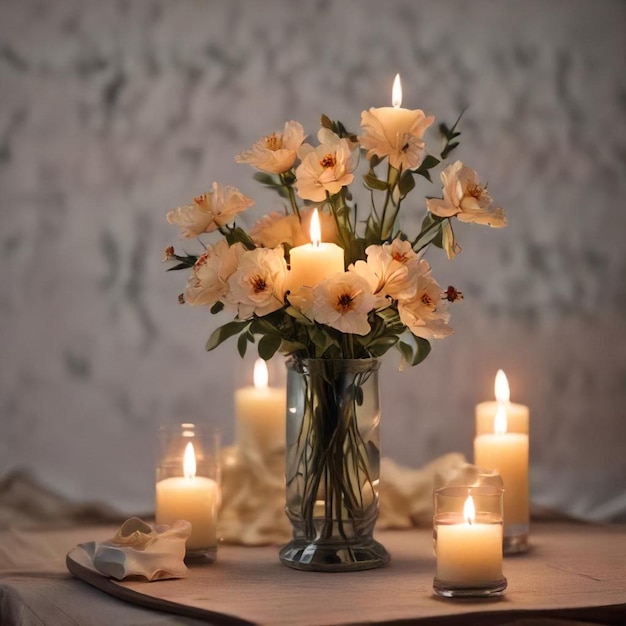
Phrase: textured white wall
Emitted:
{"points": [[113, 113]]}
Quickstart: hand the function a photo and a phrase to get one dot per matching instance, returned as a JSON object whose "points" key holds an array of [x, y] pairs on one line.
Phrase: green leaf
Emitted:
{"points": [[423, 349], [406, 350], [406, 184], [326, 122], [239, 235], [293, 312], [448, 149], [289, 347], [221, 334], [266, 179], [425, 174], [375, 183], [322, 339], [242, 344], [375, 161], [429, 162], [180, 266], [427, 221], [268, 345], [217, 307]]}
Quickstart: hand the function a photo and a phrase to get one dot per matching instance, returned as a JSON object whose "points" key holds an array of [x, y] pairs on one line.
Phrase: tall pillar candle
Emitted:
{"points": [[260, 415], [507, 452]]}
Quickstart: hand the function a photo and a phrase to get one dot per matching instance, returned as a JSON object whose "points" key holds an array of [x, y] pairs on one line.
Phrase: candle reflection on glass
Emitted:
{"points": [[260, 414]]}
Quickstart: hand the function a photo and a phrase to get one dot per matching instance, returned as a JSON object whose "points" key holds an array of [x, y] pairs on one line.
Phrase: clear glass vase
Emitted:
{"points": [[333, 464]]}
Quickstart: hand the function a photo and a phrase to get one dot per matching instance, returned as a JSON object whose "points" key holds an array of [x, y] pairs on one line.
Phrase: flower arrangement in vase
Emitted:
{"points": [[333, 290]]}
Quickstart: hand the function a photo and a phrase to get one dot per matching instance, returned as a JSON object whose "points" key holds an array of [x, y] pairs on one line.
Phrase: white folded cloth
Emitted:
{"points": [[138, 549]]}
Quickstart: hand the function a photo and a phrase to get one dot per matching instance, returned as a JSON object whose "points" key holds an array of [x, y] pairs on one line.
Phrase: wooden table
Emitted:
{"points": [[574, 572]]}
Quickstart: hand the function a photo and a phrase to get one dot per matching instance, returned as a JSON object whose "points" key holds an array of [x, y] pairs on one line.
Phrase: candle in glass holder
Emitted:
{"points": [[311, 263], [468, 544], [260, 414], [184, 493]]}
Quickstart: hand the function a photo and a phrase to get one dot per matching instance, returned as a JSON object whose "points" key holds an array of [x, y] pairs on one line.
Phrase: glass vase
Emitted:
{"points": [[333, 464]]}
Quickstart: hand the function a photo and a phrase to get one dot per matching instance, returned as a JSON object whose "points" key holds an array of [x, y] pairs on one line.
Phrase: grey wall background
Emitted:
{"points": [[112, 113]]}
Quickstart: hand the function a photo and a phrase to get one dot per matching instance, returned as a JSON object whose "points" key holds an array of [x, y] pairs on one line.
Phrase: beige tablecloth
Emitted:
{"points": [[574, 572]]}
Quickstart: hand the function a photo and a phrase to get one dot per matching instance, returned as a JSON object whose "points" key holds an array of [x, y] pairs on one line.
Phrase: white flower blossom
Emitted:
{"points": [[343, 302], [209, 211], [389, 268], [208, 281], [466, 198], [397, 134], [275, 153], [258, 285], [425, 313], [325, 168]]}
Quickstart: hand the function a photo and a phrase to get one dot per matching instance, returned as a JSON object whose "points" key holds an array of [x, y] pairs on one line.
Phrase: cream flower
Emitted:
{"points": [[325, 168], [258, 285], [426, 312], [389, 269], [466, 198], [208, 282], [209, 211], [276, 228], [275, 153], [343, 302], [395, 133]]}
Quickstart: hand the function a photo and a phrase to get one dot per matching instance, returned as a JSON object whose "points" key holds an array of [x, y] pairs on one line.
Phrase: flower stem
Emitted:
{"points": [[344, 228], [292, 196], [386, 225]]}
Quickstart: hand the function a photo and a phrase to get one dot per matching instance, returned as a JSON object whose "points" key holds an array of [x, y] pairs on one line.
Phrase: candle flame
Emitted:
{"points": [[315, 229], [501, 387], [469, 510], [396, 93], [500, 421], [261, 375], [189, 461]]}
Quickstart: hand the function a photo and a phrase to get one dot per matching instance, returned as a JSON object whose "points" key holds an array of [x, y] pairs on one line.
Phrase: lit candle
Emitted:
{"points": [[468, 549], [507, 452], [260, 414], [394, 119], [517, 414], [192, 498], [311, 263]]}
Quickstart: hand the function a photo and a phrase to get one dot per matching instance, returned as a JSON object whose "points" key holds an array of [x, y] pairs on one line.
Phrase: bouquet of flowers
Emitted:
{"points": [[381, 292]]}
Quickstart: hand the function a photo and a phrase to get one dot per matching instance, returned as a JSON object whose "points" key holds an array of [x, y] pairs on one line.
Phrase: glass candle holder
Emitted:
{"points": [[188, 484], [467, 538]]}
